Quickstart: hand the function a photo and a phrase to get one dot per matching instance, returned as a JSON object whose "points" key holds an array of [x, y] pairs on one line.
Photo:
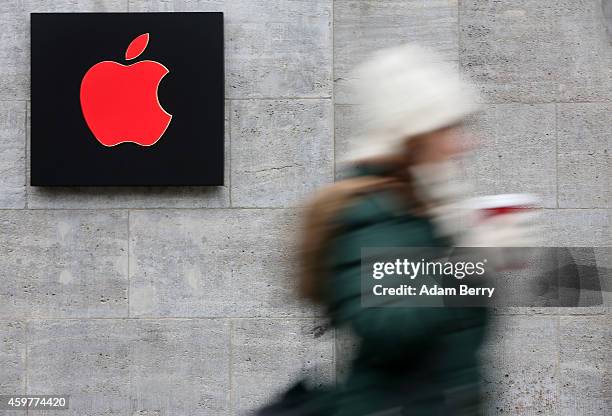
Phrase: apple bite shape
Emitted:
{"points": [[120, 102]]}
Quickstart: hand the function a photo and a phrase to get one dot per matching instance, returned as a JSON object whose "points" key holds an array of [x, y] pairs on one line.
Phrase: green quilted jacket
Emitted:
{"points": [[409, 361], [413, 361]]}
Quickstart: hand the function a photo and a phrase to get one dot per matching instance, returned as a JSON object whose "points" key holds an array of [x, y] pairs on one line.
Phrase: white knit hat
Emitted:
{"points": [[403, 92]]}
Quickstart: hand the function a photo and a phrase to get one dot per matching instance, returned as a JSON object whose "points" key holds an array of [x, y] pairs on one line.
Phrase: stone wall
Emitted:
{"points": [[177, 301]]}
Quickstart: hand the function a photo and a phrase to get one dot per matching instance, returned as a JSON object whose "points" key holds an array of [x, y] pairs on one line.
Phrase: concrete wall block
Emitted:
{"points": [[63, 264], [46, 6], [269, 354], [346, 136], [533, 51], [520, 365], [577, 227], [363, 26], [132, 197], [180, 367], [12, 357], [86, 359], [274, 49], [585, 164], [14, 53], [178, 5], [280, 49], [121, 367], [213, 263], [585, 70], [516, 151], [585, 357], [12, 154], [281, 150]]}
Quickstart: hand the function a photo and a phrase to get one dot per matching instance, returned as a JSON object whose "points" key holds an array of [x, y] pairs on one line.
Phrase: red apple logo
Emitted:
{"points": [[120, 102]]}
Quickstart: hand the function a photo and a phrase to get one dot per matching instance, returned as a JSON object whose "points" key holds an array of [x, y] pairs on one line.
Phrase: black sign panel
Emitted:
{"points": [[127, 99]]}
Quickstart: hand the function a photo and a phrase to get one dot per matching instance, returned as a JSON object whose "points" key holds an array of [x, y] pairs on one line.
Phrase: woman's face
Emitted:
{"points": [[438, 146]]}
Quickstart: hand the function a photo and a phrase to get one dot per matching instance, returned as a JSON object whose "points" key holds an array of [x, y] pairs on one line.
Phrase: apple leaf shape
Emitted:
{"points": [[137, 46]]}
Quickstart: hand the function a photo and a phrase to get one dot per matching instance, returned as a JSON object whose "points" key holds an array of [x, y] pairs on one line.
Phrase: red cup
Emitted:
{"points": [[487, 207], [494, 205]]}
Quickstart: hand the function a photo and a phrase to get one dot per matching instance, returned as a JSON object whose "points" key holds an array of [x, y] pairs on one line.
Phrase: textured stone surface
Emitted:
{"points": [[120, 367], [585, 69], [534, 51], [269, 354], [86, 359], [133, 197], [516, 151], [12, 357], [46, 6], [63, 264], [14, 53], [281, 151], [180, 367], [179, 5], [273, 49], [577, 227], [585, 357], [346, 131], [363, 26], [585, 163], [213, 263], [280, 49], [520, 366], [12, 154]]}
